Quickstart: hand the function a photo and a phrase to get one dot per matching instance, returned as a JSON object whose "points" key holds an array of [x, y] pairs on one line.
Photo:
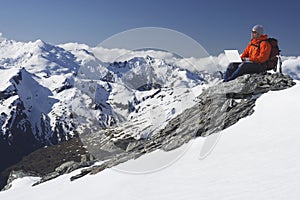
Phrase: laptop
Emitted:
{"points": [[233, 56]]}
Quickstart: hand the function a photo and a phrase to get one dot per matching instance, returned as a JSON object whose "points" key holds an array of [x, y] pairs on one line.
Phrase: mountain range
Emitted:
{"points": [[50, 94]]}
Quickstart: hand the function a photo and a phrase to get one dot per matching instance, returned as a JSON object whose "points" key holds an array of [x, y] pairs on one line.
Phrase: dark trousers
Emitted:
{"points": [[235, 70]]}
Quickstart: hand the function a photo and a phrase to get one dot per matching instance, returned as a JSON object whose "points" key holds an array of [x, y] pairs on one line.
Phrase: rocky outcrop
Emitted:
{"points": [[67, 167], [50, 162], [217, 108], [15, 175]]}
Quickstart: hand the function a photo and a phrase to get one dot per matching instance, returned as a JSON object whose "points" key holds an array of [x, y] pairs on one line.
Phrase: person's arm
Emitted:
{"points": [[245, 54], [264, 52]]}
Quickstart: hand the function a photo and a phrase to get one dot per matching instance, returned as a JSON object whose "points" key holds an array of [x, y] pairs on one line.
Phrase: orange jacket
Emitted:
{"points": [[258, 53]]}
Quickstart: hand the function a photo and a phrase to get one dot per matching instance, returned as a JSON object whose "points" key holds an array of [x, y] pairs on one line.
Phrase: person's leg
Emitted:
{"points": [[246, 68], [232, 67]]}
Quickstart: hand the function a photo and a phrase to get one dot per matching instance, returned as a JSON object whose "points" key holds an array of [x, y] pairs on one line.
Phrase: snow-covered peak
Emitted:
{"points": [[73, 46], [37, 57]]}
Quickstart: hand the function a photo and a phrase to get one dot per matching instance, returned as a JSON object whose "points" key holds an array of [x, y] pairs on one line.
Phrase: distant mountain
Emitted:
{"points": [[33, 111], [49, 95]]}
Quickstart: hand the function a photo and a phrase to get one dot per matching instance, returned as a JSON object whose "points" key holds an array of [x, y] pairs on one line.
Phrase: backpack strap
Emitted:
{"points": [[258, 45]]}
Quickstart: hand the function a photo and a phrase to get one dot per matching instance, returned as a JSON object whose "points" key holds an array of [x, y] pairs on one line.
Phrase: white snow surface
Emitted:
{"points": [[257, 158]]}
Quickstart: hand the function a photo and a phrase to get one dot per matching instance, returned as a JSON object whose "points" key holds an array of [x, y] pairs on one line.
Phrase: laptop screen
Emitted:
{"points": [[233, 56]]}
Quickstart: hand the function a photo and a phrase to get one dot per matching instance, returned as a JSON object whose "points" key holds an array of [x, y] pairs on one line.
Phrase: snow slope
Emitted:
{"points": [[257, 158]]}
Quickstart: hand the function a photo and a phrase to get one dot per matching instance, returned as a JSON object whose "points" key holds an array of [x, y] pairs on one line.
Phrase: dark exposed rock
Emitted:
{"points": [[49, 162], [149, 86], [65, 168], [66, 85], [12, 146], [123, 144]]}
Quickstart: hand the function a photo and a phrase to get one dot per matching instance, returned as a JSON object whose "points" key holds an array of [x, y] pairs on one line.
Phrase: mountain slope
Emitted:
{"points": [[31, 73]]}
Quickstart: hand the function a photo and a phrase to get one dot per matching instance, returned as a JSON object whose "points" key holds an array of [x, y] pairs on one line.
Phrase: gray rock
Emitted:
{"points": [[65, 168], [15, 175], [217, 108]]}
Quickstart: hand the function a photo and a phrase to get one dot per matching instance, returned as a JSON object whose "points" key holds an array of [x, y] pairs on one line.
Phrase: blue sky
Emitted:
{"points": [[216, 25]]}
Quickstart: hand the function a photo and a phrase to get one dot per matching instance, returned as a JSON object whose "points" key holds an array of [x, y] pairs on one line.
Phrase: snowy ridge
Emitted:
{"points": [[132, 91], [36, 70]]}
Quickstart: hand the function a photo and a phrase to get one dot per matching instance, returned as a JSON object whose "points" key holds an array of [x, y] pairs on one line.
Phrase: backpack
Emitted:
{"points": [[274, 55]]}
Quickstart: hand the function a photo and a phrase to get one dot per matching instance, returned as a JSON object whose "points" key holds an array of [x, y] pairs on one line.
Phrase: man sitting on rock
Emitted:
{"points": [[254, 56]]}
